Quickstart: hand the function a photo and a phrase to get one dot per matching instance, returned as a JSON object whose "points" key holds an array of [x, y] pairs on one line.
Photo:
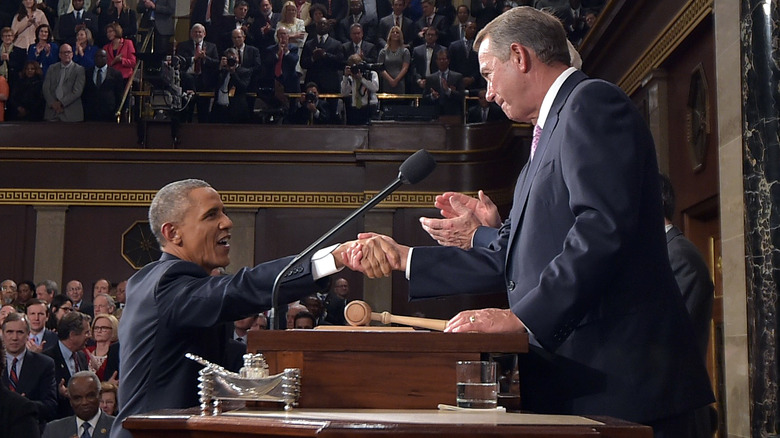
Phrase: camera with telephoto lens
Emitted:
{"points": [[364, 67], [232, 62], [311, 97]]}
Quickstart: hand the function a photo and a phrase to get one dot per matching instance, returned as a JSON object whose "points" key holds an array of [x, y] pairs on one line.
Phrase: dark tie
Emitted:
{"points": [[86, 433], [430, 20], [535, 139], [13, 377], [75, 362], [398, 22], [240, 339], [462, 30], [198, 62], [78, 16], [322, 39], [99, 77]]}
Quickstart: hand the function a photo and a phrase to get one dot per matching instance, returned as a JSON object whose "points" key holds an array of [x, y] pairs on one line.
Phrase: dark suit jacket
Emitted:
{"points": [[289, 78], [85, 307], [66, 26], [323, 71], [338, 8], [418, 62], [62, 373], [441, 25], [369, 28], [465, 64], [693, 278], [448, 105], [36, 382], [251, 61], [238, 107], [18, 416], [387, 22], [66, 427], [302, 116], [583, 259], [494, 114], [163, 15], [207, 79], [369, 50], [176, 307], [100, 104]]}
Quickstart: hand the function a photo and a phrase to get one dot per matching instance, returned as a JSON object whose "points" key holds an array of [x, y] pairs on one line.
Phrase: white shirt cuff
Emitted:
{"points": [[323, 263], [409, 262]]}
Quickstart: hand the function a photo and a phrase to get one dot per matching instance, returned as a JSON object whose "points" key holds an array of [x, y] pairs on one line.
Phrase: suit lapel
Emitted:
{"points": [[526, 178]]}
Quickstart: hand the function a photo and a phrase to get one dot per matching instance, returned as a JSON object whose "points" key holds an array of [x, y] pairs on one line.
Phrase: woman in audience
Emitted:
{"points": [[45, 50], [118, 12], [293, 24], [108, 398], [85, 49], [11, 57], [104, 332], [59, 307], [26, 101], [396, 59], [26, 21], [303, 7], [121, 52], [4, 92], [316, 11]]}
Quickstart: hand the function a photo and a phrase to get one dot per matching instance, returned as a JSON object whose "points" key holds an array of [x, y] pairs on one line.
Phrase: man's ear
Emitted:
{"points": [[171, 233], [520, 56]]}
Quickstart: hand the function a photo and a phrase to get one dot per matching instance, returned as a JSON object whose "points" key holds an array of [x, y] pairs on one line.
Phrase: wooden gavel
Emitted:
{"points": [[359, 313]]}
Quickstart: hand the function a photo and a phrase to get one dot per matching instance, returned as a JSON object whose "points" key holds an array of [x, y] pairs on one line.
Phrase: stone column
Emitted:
{"points": [[242, 242], [49, 243], [761, 179], [378, 293]]}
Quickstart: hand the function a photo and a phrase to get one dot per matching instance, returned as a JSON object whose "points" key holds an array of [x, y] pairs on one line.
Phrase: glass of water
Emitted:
{"points": [[476, 384]]}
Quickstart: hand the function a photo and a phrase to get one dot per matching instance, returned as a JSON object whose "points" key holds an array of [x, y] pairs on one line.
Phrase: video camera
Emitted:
{"points": [[163, 73], [364, 67]]}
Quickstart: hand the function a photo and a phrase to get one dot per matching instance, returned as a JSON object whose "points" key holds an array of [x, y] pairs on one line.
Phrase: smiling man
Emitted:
{"points": [[175, 307]]}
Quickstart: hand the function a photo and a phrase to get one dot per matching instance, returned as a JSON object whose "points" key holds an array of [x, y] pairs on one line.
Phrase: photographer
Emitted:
{"points": [[361, 83], [230, 104], [311, 110]]}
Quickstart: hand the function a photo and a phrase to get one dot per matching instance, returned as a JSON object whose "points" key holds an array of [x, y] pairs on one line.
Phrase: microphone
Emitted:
{"points": [[413, 170]]}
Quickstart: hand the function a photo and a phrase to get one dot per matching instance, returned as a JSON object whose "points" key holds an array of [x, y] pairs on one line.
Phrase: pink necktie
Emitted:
{"points": [[535, 139]]}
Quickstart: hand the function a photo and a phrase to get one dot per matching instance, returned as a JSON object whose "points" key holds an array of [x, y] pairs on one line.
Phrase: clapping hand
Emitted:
{"points": [[462, 216]]}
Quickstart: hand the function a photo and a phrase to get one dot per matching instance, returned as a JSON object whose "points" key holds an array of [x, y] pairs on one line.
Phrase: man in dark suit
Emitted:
{"points": [[159, 15], [265, 24], [177, 307], [75, 292], [323, 59], [230, 99], [357, 15], [464, 60], [358, 45], [72, 331], [485, 111], [89, 420], [336, 10], [102, 90], [200, 69], [209, 14], [69, 24], [29, 374], [18, 416], [424, 59], [396, 18], [444, 89], [458, 30], [279, 64], [40, 337], [249, 58], [431, 19], [582, 255], [311, 110]]}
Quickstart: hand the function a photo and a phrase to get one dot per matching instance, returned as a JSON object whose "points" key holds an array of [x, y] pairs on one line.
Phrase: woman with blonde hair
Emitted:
{"points": [[104, 331], [84, 50], [294, 25], [396, 59]]}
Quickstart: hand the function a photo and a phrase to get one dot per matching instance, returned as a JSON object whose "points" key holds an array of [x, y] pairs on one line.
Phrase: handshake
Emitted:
{"points": [[376, 255]]}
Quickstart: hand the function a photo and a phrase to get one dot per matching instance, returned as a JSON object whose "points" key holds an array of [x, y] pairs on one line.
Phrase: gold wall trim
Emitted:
{"points": [[667, 41], [232, 199]]}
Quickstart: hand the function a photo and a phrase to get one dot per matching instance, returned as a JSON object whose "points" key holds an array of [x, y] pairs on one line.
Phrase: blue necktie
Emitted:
{"points": [[86, 433]]}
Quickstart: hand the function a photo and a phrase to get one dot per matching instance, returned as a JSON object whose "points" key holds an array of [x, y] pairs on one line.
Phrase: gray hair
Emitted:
{"points": [[109, 299], [15, 316], [198, 26], [537, 30], [51, 286], [88, 374], [170, 203]]}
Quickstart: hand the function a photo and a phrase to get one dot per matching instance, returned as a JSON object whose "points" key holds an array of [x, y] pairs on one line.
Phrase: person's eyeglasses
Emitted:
{"points": [[102, 329], [67, 309]]}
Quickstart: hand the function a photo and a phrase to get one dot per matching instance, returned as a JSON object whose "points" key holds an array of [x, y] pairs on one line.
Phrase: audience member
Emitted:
{"points": [[60, 306], [200, 70], [5, 91], [311, 110], [316, 12], [158, 14], [230, 99], [88, 420], [316, 307], [485, 111], [241, 327], [302, 7], [357, 45], [6, 310], [261, 323], [293, 309], [280, 64], [487, 11], [11, 57], [40, 336], [75, 292], [24, 294], [102, 90], [85, 49], [267, 21], [293, 24], [395, 58], [8, 293], [361, 85], [424, 59], [62, 89], [30, 374], [44, 50], [356, 15], [69, 24], [104, 332], [430, 19], [335, 301], [397, 19], [249, 58], [118, 13], [108, 398], [464, 59], [102, 286], [18, 415], [46, 289], [104, 304], [72, 332], [26, 100], [323, 59], [304, 321], [26, 22], [446, 10], [458, 30], [238, 20], [335, 10], [120, 51]]}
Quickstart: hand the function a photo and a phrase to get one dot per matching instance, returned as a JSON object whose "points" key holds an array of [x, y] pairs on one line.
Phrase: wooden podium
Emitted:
{"points": [[377, 369]]}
